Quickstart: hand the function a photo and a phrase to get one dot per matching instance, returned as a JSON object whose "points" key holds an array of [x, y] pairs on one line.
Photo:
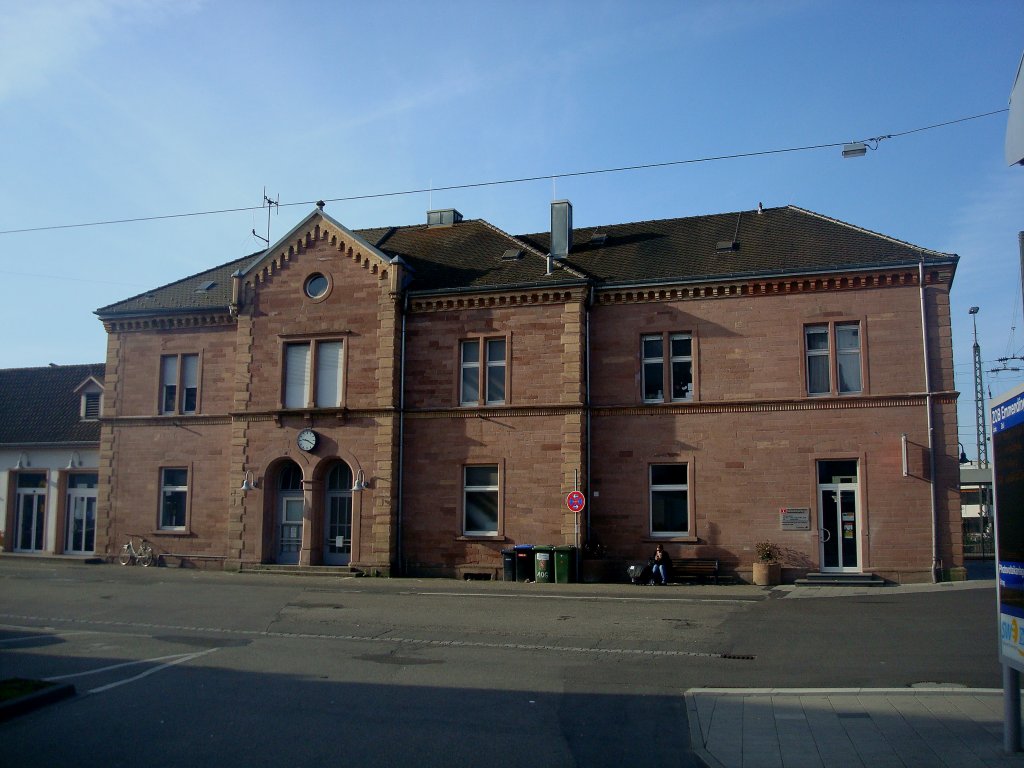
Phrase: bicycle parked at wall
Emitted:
{"points": [[142, 555]]}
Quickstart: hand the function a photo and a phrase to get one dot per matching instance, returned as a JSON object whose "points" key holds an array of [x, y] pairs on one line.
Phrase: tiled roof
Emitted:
{"points": [[474, 255], [786, 240], [469, 255], [40, 405], [186, 295]]}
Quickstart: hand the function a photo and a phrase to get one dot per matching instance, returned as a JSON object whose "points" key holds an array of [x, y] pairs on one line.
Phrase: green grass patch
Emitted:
{"points": [[16, 687]]}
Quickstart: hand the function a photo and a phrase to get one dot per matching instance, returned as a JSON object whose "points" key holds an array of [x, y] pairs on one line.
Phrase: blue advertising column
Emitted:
{"points": [[1008, 482]]}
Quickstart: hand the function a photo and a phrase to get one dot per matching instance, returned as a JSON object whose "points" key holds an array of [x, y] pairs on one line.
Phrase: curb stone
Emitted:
{"points": [[33, 701]]}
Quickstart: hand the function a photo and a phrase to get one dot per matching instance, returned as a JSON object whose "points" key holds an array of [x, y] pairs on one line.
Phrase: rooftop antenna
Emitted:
{"points": [[269, 204]]}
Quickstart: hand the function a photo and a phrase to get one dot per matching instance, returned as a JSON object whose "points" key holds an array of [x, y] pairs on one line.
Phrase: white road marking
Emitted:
{"points": [[152, 671], [98, 670]]}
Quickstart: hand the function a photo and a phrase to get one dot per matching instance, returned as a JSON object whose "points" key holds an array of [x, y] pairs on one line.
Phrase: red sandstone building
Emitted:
{"points": [[417, 399]]}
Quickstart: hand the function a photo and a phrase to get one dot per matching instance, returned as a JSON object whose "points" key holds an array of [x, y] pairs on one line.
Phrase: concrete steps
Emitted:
{"points": [[840, 580], [341, 571]]}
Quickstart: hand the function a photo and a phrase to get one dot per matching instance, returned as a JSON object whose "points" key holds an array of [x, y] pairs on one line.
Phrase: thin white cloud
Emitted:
{"points": [[984, 232], [44, 39]]}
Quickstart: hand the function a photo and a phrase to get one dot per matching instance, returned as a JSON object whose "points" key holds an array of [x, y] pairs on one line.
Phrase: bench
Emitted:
{"points": [[694, 568], [184, 558]]}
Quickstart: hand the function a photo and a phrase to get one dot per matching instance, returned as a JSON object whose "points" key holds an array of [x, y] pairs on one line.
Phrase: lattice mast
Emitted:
{"points": [[979, 397]]}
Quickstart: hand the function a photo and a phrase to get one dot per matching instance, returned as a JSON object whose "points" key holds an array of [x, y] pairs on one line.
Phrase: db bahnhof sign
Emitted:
{"points": [[1008, 479]]}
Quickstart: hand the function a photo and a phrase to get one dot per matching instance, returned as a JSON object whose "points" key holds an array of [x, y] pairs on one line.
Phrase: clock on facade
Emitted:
{"points": [[306, 440]]}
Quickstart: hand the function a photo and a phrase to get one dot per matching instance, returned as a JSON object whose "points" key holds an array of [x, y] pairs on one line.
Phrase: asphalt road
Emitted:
{"points": [[178, 667]]}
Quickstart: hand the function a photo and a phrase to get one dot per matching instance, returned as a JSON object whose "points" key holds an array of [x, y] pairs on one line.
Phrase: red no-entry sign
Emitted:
{"points": [[576, 501]]}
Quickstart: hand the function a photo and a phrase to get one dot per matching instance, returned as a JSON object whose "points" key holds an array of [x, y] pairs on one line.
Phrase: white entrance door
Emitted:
{"points": [[80, 530], [839, 527], [81, 527], [289, 529], [338, 530], [30, 508], [338, 516]]}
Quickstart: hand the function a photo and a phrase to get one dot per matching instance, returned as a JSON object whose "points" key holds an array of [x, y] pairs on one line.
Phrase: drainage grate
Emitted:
{"points": [[737, 657]]}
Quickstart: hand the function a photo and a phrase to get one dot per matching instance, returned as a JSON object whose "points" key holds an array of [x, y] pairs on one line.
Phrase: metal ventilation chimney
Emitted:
{"points": [[561, 228]]}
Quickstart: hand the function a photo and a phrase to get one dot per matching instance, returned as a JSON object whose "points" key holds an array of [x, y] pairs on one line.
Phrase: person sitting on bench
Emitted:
{"points": [[660, 565]]}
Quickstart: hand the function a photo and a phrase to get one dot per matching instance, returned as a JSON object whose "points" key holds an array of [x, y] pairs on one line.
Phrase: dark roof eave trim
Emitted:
{"points": [[498, 288], [617, 286], [55, 444], [133, 314]]}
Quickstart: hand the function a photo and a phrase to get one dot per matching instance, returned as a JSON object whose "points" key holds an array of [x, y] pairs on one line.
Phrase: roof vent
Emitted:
{"points": [[599, 238], [722, 246], [512, 254], [561, 228], [443, 217]]}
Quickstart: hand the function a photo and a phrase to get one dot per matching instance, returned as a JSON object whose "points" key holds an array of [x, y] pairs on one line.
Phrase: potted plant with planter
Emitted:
{"points": [[767, 568]]}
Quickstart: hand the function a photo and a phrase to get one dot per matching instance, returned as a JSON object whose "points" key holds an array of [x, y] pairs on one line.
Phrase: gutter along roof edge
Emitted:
{"points": [[771, 275]]}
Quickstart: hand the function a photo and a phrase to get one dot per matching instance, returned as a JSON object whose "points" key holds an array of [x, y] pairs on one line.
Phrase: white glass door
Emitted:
{"points": [[338, 529], [31, 523], [839, 528], [81, 526], [80, 520], [289, 538]]}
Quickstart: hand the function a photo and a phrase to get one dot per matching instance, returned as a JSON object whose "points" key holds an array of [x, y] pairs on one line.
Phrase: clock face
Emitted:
{"points": [[306, 440]]}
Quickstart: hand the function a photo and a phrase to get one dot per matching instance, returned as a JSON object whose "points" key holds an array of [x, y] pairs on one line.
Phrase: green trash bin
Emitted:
{"points": [[565, 564], [544, 561]]}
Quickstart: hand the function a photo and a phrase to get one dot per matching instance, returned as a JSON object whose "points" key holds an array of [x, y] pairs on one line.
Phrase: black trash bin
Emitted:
{"points": [[524, 562], [508, 560], [544, 563]]}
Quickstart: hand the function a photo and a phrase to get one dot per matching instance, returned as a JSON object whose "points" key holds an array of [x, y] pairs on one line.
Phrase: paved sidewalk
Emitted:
{"points": [[848, 728]]}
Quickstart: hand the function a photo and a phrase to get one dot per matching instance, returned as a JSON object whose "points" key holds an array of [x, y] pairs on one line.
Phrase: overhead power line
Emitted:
{"points": [[499, 182]]}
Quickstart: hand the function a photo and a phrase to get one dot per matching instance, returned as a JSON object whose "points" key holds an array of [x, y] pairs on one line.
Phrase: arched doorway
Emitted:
{"points": [[289, 513], [338, 515]]}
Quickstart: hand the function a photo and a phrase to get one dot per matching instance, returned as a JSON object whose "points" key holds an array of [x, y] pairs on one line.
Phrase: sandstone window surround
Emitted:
{"points": [[174, 498], [669, 499], [313, 374], [179, 384], [483, 371], [675, 377], [481, 500], [832, 354]]}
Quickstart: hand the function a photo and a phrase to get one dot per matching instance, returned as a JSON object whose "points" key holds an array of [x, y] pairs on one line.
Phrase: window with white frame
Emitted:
{"points": [[823, 367], [675, 378], [480, 500], [482, 371], [848, 357], [669, 500], [313, 374], [173, 498], [681, 349], [179, 383]]}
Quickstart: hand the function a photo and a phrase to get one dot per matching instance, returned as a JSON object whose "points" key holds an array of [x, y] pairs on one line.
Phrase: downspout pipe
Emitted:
{"points": [[936, 561], [401, 441], [588, 303]]}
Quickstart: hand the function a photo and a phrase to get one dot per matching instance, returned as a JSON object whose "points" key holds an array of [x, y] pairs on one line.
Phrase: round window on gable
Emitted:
{"points": [[317, 286]]}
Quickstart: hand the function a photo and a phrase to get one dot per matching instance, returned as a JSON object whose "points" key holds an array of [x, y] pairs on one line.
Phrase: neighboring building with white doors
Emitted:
{"points": [[49, 458]]}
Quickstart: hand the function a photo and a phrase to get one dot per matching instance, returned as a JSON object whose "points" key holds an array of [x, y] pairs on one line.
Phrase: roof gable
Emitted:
{"points": [[315, 227]]}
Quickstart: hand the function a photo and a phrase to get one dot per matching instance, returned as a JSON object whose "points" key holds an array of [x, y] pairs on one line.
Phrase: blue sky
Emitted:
{"points": [[113, 109]]}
